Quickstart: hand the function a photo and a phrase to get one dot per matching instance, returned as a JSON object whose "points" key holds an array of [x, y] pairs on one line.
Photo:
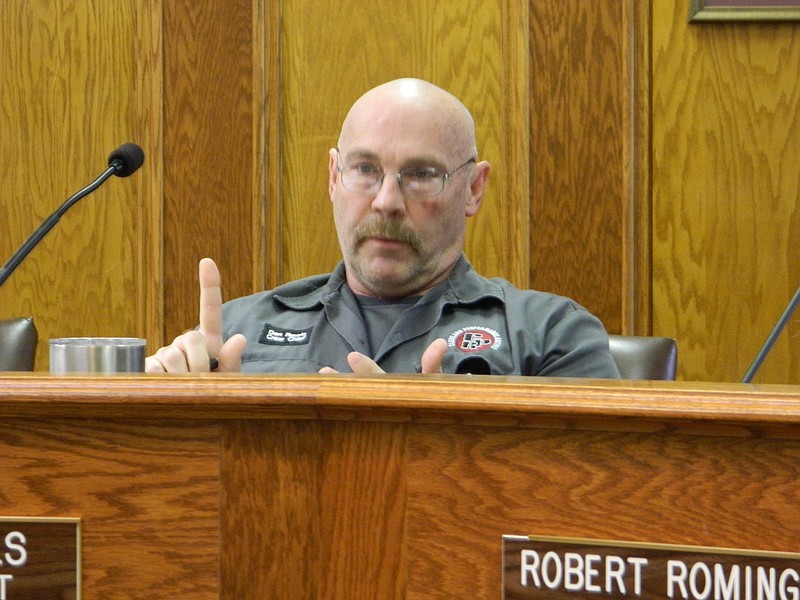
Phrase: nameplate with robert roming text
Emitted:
{"points": [[566, 568]]}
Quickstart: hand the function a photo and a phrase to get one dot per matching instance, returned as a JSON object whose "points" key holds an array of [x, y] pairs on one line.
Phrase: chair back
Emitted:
{"points": [[644, 357], [18, 338]]}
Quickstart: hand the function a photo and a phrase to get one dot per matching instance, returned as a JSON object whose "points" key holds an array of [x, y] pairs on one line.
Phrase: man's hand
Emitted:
{"points": [[192, 351], [363, 365]]}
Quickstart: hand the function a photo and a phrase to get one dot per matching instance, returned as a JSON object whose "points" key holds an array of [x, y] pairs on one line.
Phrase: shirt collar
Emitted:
{"points": [[463, 286]]}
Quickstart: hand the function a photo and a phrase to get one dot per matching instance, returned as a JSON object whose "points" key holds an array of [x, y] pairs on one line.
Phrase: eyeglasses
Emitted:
{"points": [[415, 182]]}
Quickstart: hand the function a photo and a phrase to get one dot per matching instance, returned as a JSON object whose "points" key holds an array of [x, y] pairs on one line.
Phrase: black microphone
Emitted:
{"points": [[473, 365], [121, 162], [767, 346], [126, 159]]}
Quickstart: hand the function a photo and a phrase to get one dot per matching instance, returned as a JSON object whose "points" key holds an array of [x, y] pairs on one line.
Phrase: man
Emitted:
{"points": [[403, 180]]}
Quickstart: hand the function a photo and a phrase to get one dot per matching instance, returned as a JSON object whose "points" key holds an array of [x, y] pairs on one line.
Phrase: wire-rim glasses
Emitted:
{"points": [[365, 177]]}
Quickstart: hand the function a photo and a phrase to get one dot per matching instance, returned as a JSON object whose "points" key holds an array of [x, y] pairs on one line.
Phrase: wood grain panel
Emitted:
{"points": [[580, 76], [257, 475], [363, 500], [329, 504], [148, 131], [477, 51], [149, 488], [267, 159], [637, 273], [69, 93], [469, 486], [726, 158], [208, 151], [386, 487]]}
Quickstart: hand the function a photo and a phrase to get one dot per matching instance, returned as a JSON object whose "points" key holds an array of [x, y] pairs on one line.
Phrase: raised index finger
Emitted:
{"points": [[210, 305]]}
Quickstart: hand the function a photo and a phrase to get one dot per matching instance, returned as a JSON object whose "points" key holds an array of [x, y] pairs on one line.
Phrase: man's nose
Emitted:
{"points": [[390, 198]]}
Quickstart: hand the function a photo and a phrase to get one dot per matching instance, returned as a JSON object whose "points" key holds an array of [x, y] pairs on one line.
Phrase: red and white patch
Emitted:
{"points": [[474, 339]]}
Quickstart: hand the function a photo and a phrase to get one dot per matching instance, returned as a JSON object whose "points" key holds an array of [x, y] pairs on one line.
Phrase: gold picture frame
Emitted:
{"points": [[744, 10]]}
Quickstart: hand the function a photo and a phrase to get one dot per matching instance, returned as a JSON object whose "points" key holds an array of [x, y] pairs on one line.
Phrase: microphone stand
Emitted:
{"points": [[50, 222], [762, 354]]}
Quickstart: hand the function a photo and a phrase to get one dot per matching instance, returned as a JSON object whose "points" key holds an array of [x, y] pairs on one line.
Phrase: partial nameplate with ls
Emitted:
{"points": [[567, 568], [39, 558]]}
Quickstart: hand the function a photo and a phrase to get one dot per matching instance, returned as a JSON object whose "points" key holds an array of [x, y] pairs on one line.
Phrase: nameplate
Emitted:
{"points": [[39, 558], [553, 568]]}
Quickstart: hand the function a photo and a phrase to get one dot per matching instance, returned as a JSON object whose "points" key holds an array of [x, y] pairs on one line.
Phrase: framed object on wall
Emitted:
{"points": [[744, 10]]}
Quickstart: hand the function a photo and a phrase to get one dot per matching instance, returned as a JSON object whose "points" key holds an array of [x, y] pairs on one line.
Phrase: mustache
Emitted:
{"points": [[392, 230]]}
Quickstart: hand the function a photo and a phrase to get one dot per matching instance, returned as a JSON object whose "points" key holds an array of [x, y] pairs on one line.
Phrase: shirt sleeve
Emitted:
{"points": [[568, 340]]}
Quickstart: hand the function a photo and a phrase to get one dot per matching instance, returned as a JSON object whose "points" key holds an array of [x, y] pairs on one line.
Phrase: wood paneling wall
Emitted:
{"points": [[581, 130], [209, 200], [77, 80], [726, 192], [236, 104]]}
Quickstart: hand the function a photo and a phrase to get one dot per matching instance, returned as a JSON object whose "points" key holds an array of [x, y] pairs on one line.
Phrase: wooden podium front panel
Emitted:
{"points": [[147, 494], [352, 510], [472, 485], [347, 488]]}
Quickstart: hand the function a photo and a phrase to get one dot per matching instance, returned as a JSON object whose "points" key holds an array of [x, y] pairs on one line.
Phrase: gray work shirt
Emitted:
{"points": [[314, 322]]}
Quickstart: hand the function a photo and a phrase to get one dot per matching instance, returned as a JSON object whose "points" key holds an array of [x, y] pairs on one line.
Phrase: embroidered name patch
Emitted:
{"points": [[277, 336], [474, 339]]}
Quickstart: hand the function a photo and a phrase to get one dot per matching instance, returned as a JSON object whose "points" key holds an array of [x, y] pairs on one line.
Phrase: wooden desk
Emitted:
{"points": [[244, 487]]}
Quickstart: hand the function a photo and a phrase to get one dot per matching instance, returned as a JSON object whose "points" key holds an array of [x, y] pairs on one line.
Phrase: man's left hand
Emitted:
{"points": [[363, 365]]}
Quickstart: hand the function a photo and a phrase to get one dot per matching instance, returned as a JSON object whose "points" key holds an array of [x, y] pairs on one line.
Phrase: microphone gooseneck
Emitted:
{"points": [[767, 346], [122, 162]]}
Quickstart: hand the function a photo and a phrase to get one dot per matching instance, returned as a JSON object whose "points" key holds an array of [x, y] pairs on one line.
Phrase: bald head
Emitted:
{"points": [[421, 101]]}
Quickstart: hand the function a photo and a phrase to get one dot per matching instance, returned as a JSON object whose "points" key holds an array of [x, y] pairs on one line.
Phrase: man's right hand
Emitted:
{"points": [[191, 352]]}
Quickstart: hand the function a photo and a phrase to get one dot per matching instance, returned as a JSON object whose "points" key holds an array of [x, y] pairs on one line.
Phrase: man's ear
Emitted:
{"points": [[477, 186], [333, 174]]}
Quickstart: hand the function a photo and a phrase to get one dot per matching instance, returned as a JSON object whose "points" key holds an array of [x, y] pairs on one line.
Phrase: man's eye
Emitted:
{"points": [[366, 169], [421, 174]]}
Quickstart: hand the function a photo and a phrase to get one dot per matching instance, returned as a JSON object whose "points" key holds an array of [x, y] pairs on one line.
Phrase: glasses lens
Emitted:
{"points": [[421, 183], [361, 178]]}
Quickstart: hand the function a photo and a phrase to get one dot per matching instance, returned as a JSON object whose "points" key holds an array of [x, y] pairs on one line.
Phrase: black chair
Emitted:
{"points": [[644, 357], [18, 339]]}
